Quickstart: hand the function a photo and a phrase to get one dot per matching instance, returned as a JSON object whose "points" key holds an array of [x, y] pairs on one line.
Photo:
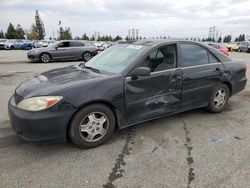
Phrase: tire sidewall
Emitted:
{"points": [[211, 105], [75, 123]]}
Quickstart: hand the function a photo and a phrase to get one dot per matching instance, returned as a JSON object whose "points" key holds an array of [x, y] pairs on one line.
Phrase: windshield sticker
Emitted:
{"points": [[137, 47]]}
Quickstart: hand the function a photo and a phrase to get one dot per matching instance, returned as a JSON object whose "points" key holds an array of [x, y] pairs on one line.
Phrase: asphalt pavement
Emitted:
{"points": [[191, 149]]}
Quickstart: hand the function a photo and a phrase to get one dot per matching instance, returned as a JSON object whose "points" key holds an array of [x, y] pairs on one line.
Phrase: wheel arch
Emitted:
{"points": [[103, 102], [230, 87], [45, 53]]}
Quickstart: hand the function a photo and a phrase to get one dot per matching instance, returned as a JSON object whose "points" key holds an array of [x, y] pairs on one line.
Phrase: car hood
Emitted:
{"points": [[55, 80], [40, 50]]}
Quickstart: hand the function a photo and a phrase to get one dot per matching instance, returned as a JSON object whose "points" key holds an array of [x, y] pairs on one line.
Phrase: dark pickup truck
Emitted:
{"points": [[126, 84]]}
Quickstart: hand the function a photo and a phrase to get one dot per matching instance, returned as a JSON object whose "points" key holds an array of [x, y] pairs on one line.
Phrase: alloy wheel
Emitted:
{"points": [[220, 98], [87, 56], [45, 58], [94, 126]]}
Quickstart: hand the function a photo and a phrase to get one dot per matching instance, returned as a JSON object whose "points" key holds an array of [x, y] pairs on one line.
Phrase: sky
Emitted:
{"points": [[174, 18]]}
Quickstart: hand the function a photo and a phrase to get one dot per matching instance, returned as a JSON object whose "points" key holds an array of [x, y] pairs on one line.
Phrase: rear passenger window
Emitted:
{"points": [[76, 44], [193, 55]]}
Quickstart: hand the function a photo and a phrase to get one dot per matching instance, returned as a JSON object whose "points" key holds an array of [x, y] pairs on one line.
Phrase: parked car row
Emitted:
{"points": [[101, 45], [234, 46], [219, 46], [22, 44], [13, 44], [243, 46]]}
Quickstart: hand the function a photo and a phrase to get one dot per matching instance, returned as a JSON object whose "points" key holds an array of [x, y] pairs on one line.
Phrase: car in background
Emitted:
{"points": [[63, 50], [27, 46], [244, 46], [99, 46], [14, 44], [43, 43], [234, 46], [125, 85], [40, 44], [2, 44], [220, 47]]}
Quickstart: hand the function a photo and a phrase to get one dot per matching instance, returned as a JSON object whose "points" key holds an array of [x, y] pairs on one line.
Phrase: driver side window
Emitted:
{"points": [[161, 59], [63, 45]]}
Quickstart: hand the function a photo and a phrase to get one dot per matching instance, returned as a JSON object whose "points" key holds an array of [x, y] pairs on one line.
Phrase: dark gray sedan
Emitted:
{"points": [[63, 50]]}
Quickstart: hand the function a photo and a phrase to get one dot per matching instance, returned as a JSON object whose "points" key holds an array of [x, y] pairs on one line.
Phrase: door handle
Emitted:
{"points": [[173, 77], [217, 69]]}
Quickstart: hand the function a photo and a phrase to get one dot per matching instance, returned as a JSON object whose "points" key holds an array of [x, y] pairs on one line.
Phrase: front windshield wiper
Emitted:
{"points": [[93, 69]]}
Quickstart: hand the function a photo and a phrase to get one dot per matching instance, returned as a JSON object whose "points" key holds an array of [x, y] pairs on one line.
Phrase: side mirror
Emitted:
{"points": [[140, 71], [56, 47]]}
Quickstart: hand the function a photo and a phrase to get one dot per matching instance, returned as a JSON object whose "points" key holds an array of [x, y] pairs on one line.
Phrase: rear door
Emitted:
{"points": [[201, 72], [76, 49]]}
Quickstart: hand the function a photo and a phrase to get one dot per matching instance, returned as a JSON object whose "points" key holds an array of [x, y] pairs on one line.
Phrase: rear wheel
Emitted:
{"points": [[218, 99], [92, 126], [87, 56], [45, 58]]}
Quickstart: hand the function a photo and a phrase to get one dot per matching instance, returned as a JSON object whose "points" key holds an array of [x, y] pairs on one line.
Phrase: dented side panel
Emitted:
{"points": [[154, 95]]}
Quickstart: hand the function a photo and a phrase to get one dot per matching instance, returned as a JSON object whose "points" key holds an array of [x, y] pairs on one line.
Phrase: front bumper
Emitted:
{"points": [[45, 125], [33, 57]]}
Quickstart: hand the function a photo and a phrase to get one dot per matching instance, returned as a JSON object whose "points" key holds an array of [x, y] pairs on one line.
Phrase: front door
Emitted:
{"points": [[63, 51], [157, 94]]}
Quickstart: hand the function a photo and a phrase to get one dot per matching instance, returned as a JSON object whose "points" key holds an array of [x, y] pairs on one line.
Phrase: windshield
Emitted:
{"points": [[116, 59]]}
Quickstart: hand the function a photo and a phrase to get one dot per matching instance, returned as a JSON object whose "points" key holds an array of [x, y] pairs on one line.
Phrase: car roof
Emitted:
{"points": [[156, 42]]}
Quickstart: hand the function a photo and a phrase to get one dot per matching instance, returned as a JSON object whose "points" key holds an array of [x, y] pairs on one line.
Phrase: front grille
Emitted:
{"points": [[17, 98], [31, 57], [2, 45]]}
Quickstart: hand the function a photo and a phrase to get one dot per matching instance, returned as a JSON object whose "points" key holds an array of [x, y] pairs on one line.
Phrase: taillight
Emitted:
{"points": [[245, 67]]}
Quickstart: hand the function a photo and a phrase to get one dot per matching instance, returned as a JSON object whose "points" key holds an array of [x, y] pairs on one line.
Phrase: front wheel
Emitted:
{"points": [[92, 126], [218, 99], [45, 58]]}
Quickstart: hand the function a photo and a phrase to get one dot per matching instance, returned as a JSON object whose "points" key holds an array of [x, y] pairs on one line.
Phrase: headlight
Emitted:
{"points": [[38, 103]]}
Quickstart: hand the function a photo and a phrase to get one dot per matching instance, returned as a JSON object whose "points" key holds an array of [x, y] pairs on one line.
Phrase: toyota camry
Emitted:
{"points": [[127, 84]]}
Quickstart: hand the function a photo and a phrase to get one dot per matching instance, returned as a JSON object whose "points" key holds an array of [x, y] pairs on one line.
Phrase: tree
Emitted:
{"points": [[117, 38], [240, 38], [65, 34], [33, 35], [2, 35], [77, 38], [11, 32], [219, 39], [85, 37], [39, 26], [227, 38], [19, 32], [92, 38]]}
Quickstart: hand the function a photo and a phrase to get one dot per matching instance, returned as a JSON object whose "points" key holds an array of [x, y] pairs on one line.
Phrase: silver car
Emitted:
{"points": [[63, 50]]}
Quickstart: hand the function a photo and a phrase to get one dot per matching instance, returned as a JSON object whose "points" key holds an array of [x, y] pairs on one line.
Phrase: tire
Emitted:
{"points": [[92, 126], [12, 48], [45, 58], [218, 99], [86, 56]]}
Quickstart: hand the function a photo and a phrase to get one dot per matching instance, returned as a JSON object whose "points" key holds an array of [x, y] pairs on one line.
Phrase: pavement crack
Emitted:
{"points": [[117, 171], [156, 147], [190, 160]]}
